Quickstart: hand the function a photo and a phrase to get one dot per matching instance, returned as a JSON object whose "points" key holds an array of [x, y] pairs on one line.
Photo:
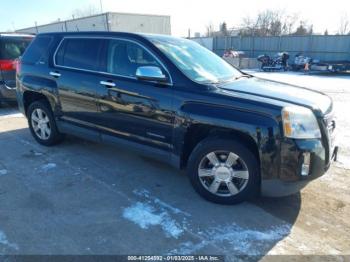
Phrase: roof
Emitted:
{"points": [[103, 34]]}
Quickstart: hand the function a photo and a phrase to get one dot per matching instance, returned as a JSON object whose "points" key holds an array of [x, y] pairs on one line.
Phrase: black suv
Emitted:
{"points": [[237, 135], [12, 47]]}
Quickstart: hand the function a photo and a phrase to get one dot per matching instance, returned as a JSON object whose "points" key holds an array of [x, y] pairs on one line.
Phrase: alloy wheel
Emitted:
{"points": [[223, 173], [41, 124]]}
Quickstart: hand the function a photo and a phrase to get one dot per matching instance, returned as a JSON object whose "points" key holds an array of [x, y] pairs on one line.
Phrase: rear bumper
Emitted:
{"points": [[7, 94]]}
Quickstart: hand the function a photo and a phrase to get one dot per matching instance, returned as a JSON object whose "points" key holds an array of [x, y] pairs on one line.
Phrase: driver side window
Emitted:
{"points": [[124, 57]]}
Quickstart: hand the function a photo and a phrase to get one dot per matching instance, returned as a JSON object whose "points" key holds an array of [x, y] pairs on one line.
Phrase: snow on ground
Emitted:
{"points": [[48, 166], [328, 83], [242, 241], [150, 211], [4, 243], [145, 216], [10, 113], [147, 195], [154, 212], [3, 170]]}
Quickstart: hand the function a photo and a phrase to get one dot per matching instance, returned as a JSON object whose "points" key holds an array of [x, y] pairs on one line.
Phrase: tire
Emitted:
{"points": [[236, 183], [51, 135]]}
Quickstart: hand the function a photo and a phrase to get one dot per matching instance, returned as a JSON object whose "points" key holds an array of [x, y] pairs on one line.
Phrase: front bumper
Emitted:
{"points": [[321, 153], [291, 179]]}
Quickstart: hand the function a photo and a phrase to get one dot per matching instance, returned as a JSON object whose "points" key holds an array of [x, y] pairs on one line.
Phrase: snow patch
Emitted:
{"points": [[242, 241], [343, 161], [3, 172], [37, 154], [5, 242], [48, 166], [146, 194], [189, 248], [11, 115], [145, 216]]}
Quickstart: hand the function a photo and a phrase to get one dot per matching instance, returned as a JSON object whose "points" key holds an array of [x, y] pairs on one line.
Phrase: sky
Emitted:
{"points": [[185, 14]]}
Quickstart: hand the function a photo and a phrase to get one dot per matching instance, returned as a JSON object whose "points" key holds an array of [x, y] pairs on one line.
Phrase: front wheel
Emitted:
{"points": [[223, 171], [42, 124]]}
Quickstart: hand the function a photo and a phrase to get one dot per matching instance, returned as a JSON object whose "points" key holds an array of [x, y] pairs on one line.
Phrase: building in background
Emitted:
{"points": [[121, 22]]}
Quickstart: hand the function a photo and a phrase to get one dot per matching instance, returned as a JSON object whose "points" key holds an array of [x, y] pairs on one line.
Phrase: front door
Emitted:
{"points": [[137, 110]]}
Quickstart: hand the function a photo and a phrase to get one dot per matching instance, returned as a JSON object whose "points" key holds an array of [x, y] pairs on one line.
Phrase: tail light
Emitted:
{"points": [[17, 64], [7, 65]]}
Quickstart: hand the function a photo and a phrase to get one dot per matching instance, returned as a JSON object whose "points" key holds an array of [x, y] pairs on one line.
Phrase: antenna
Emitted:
{"points": [[101, 6]]}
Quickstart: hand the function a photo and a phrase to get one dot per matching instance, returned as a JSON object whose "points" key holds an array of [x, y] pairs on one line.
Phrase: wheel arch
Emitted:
{"points": [[31, 96], [197, 133]]}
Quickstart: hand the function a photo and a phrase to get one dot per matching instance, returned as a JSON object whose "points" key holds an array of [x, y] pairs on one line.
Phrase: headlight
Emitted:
{"points": [[300, 122]]}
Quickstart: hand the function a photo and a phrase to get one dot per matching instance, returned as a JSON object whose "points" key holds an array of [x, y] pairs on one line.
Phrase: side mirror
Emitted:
{"points": [[150, 73]]}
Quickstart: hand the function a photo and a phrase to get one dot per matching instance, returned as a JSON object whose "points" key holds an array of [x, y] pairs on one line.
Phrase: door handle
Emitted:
{"points": [[108, 84], [55, 74]]}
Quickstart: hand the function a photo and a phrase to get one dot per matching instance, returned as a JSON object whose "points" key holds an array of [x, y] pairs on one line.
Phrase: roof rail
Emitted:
{"points": [[15, 34]]}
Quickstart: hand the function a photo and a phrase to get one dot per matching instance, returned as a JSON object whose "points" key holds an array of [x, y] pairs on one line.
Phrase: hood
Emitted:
{"points": [[280, 91]]}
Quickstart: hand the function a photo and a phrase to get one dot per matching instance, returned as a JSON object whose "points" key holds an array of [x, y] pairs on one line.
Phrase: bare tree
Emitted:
{"points": [[223, 29], [268, 23], [86, 11], [248, 26], [301, 29], [210, 30], [311, 30], [344, 27], [289, 23]]}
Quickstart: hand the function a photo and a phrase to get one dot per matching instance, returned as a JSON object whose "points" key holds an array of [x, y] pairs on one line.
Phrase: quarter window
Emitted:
{"points": [[38, 50], [80, 53], [124, 57]]}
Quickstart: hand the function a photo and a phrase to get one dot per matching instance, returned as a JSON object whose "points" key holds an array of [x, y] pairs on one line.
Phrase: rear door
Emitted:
{"points": [[11, 48], [76, 66]]}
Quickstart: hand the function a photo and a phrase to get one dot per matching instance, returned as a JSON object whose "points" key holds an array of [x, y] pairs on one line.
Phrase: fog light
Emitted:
{"points": [[305, 167]]}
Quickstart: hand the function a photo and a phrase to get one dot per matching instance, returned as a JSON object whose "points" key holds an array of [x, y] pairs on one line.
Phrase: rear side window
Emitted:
{"points": [[12, 48], [80, 53], [38, 50]]}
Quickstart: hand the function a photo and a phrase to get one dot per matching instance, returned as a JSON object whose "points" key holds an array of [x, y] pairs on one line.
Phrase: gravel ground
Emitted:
{"points": [[87, 198]]}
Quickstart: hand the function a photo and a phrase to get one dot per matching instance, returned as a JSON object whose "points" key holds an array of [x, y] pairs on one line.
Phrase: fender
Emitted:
{"points": [[42, 86], [260, 127]]}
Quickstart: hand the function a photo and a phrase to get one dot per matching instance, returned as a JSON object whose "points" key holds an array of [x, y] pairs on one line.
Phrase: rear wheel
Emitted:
{"points": [[223, 171], [42, 124]]}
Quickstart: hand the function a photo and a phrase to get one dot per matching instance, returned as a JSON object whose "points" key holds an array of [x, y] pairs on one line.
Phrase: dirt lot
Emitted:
{"points": [[87, 198]]}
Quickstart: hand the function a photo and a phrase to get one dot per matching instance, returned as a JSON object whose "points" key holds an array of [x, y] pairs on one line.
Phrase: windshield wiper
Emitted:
{"points": [[241, 76], [227, 80], [233, 79]]}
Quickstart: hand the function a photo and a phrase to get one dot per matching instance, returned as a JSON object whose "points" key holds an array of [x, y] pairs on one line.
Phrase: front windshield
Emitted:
{"points": [[195, 61]]}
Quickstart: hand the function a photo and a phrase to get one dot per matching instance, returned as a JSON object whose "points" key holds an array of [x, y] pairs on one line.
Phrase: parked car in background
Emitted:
{"points": [[170, 98], [12, 47]]}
